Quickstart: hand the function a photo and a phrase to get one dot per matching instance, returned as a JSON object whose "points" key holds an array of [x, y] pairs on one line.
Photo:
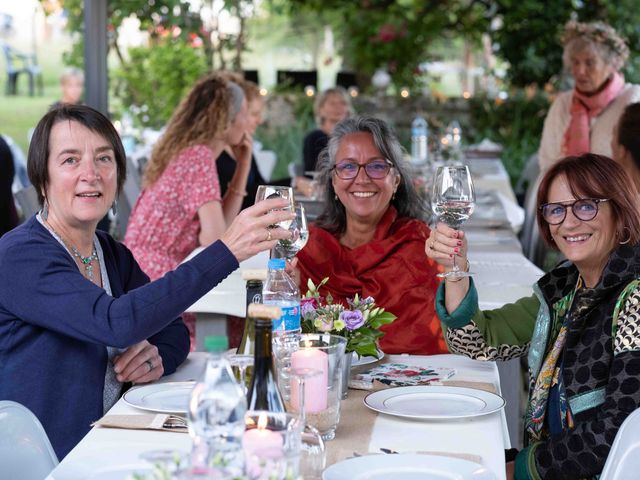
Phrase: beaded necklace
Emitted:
{"points": [[86, 261]]}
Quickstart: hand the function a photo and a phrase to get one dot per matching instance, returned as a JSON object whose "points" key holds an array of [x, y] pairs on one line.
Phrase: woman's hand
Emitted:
{"points": [[292, 270], [242, 151], [251, 231], [445, 242], [140, 363]]}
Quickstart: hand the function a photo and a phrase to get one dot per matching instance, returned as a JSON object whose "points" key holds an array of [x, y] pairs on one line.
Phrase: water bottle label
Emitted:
{"points": [[290, 319]]}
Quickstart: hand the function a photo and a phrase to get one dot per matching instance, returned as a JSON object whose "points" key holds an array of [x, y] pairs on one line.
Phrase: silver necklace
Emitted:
{"points": [[86, 261]]}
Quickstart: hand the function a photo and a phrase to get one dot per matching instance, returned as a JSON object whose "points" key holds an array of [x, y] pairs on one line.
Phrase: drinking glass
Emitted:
{"points": [[274, 191], [241, 362], [312, 450], [299, 236], [453, 200]]}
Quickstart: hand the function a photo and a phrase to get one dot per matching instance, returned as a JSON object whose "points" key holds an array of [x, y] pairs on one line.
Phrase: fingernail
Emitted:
{"points": [[117, 369], [119, 378], [451, 255], [457, 250], [459, 243]]}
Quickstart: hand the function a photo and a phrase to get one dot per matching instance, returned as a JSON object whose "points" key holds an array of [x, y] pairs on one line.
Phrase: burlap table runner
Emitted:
{"points": [[353, 434]]}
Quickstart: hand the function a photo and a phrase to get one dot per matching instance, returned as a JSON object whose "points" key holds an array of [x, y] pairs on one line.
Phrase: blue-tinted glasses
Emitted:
{"points": [[584, 209], [376, 169]]}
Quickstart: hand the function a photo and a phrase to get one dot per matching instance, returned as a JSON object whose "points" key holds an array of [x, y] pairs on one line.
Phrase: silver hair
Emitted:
{"points": [[324, 96], [579, 44], [237, 97], [71, 72], [407, 201]]}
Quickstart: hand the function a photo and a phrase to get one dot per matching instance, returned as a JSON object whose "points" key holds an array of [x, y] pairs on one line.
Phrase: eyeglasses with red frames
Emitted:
{"points": [[584, 209], [376, 169]]}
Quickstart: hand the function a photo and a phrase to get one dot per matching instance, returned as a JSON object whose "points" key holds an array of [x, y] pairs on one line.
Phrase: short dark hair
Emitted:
{"points": [[38, 158], [629, 131], [407, 201], [590, 176]]}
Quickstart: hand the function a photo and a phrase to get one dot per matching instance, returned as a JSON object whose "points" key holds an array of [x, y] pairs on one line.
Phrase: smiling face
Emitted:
{"points": [[82, 176], [587, 244], [589, 70], [365, 199]]}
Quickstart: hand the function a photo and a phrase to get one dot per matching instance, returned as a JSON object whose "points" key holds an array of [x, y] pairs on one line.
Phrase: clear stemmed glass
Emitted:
{"points": [[273, 191], [453, 200], [241, 362], [313, 458], [299, 236]]}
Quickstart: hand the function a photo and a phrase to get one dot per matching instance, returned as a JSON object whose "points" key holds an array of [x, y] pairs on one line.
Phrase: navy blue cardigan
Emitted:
{"points": [[54, 323]]}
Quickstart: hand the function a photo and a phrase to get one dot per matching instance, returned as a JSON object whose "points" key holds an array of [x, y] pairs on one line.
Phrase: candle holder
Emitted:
{"points": [[325, 353], [271, 445]]}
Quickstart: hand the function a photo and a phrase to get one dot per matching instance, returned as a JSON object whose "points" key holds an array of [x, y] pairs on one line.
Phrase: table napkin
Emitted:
{"points": [[167, 423]]}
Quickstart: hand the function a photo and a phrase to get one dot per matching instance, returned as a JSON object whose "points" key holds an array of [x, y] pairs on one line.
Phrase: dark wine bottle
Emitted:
{"points": [[254, 295], [263, 394]]}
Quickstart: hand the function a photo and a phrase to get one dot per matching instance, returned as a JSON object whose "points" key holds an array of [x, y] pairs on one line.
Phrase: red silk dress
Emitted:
{"points": [[393, 268]]}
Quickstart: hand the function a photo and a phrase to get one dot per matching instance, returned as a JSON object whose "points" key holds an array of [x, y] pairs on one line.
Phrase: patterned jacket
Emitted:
{"points": [[601, 357]]}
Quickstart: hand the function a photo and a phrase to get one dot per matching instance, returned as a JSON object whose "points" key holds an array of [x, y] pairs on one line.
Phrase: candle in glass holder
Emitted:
{"points": [[261, 441], [315, 388]]}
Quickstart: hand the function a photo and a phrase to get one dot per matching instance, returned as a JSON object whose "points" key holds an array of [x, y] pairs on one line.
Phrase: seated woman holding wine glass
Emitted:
{"points": [[79, 318], [580, 326], [369, 240], [181, 207]]}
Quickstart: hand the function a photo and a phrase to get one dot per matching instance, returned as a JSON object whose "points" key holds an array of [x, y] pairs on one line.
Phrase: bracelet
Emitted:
{"points": [[236, 191], [467, 267]]}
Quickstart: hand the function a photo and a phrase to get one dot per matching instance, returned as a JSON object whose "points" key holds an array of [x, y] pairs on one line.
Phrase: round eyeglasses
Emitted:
{"points": [[584, 209], [376, 169]]}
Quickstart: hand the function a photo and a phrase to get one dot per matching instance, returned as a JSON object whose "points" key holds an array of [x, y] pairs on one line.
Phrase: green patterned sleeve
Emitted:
{"points": [[499, 334]]}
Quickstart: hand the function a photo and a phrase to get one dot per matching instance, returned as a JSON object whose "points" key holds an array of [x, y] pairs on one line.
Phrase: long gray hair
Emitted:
{"points": [[406, 201]]}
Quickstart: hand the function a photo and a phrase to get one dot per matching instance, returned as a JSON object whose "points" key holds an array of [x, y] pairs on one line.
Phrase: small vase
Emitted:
{"points": [[346, 373]]}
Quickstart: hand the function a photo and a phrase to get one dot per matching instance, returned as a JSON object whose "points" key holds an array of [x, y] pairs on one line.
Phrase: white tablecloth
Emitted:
{"points": [[104, 448]]}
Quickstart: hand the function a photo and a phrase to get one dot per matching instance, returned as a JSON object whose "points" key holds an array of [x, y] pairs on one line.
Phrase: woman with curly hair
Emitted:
{"points": [[582, 120], [181, 207]]}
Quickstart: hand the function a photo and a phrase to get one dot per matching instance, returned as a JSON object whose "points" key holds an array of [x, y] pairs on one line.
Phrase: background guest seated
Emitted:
{"points": [[180, 207], [370, 237], [582, 120], [78, 317], [8, 214], [579, 328]]}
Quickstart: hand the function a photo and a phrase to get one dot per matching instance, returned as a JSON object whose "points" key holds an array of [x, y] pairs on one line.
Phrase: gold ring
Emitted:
{"points": [[268, 235], [149, 364]]}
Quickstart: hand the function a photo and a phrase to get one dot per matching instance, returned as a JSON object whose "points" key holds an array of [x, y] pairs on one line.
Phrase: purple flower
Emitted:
{"points": [[352, 319], [308, 306], [368, 301]]}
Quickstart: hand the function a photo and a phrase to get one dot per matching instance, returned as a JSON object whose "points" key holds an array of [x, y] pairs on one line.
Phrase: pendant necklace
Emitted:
{"points": [[86, 261]]}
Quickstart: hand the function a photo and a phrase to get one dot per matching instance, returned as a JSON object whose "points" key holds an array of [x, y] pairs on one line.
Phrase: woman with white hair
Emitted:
{"points": [[582, 120]]}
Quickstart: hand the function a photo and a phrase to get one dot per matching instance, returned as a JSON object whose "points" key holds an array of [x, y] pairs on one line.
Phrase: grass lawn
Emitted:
{"points": [[19, 114]]}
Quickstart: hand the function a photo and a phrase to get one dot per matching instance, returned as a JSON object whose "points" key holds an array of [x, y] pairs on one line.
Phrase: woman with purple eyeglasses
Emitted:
{"points": [[580, 328], [370, 237]]}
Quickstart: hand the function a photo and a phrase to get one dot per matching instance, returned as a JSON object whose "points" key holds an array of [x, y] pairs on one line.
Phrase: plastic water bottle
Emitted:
{"points": [[216, 416], [419, 141], [281, 291]]}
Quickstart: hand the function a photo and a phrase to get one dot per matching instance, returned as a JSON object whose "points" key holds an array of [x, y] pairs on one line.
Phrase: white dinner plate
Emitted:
{"points": [[171, 397], [357, 361], [406, 467], [426, 402]]}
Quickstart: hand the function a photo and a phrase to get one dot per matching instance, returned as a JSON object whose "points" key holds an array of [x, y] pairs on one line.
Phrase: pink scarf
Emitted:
{"points": [[583, 109]]}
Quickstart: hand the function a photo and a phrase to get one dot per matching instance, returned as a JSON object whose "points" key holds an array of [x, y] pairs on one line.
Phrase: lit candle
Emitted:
{"points": [[315, 391], [261, 441]]}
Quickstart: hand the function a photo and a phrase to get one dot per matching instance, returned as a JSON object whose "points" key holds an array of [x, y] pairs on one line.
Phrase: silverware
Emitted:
{"points": [[174, 421], [388, 450]]}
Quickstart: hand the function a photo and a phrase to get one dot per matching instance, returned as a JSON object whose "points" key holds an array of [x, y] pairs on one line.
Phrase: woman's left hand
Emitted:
{"points": [[242, 151], [140, 363]]}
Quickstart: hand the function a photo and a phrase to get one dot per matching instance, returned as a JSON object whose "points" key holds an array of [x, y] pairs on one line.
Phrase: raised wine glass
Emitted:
{"points": [[241, 362], [299, 236], [453, 200], [274, 191]]}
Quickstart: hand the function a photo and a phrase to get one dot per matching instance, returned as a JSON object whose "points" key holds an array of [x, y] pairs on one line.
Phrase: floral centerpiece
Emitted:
{"points": [[359, 321]]}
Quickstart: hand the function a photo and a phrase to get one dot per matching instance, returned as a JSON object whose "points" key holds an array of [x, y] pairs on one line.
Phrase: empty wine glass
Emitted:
{"points": [[241, 363], [299, 236], [453, 200], [313, 457], [274, 191]]}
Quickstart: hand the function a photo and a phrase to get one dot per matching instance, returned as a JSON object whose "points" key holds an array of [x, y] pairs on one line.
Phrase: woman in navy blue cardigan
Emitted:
{"points": [[78, 317]]}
